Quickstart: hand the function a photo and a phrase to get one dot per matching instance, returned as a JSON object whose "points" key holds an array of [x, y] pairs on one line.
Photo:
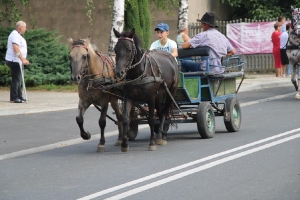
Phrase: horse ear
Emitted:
{"points": [[292, 8], [117, 34], [132, 32], [70, 40], [89, 39]]}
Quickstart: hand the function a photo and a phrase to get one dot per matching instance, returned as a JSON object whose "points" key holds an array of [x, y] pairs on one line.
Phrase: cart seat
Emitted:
{"points": [[199, 73], [200, 51], [227, 75]]}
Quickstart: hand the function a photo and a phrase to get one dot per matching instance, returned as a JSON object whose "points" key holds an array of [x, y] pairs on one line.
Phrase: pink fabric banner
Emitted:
{"points": [[251, 38]]}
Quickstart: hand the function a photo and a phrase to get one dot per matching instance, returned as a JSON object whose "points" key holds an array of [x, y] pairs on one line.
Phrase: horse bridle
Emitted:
{"points": [[83, 72], [133, 49]]}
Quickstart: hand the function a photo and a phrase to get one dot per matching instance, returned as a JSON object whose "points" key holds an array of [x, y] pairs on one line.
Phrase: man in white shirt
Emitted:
{"points": [[164, 43], [284, 37], [16, 49]]}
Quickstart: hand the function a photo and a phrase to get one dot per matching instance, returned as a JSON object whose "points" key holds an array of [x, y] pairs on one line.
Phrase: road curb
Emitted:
{"points": [[259, 86]]}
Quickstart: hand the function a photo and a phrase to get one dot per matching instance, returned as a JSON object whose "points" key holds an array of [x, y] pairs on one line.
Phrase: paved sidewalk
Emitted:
{"points": [[54, 101]]}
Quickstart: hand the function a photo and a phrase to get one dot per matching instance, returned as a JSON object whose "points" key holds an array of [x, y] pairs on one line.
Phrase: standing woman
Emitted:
{"points": [[182, 35], [276, 48]]}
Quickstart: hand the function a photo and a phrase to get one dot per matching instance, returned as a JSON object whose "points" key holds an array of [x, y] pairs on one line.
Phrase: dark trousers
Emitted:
{"points": [[16, 77]]}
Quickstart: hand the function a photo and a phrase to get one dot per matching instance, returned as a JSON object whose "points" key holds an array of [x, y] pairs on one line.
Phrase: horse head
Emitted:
{"points": [[125, 51], [296, 20], [79, 58]]}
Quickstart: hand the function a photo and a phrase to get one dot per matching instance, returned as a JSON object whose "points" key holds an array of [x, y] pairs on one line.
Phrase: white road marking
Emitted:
{"points": [[60, 144], [152, 176], [266, 99], [201, 168]]}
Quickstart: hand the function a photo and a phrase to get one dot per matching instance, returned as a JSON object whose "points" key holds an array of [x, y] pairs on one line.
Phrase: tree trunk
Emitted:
{"points": [[117, 23], [183, 12]]}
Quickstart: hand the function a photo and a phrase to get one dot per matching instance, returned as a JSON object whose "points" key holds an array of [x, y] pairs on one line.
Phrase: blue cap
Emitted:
{"points": [[162, 27]]}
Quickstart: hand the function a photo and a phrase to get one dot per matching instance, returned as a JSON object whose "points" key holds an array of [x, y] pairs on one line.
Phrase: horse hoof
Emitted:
{"points": [[101, 148], [118, 143], [297, 96], [152, 148], [161, 142], [86, 136], [124, 149]]}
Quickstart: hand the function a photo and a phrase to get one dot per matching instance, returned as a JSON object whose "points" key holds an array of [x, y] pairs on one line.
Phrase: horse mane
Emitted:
{"points": [[83, 42], [136, 38]]}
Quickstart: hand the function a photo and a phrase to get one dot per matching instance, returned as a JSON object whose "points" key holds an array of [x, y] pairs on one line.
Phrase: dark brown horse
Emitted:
{"points": [[148, 75], [87, 64]]}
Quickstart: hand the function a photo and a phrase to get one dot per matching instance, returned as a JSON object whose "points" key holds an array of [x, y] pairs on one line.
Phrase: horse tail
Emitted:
{"points": [[170, 97], [171, 116]]}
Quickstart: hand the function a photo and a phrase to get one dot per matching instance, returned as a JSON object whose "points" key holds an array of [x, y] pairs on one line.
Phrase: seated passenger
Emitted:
{"points": [[218, 43], [164, 43], [182, 35]]}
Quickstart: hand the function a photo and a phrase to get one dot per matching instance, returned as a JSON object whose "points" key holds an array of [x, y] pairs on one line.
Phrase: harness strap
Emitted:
{"points": [[82, 46]]}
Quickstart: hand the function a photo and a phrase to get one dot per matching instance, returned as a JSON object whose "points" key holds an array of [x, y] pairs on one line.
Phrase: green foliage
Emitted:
{"points": [[137, 16], [5, 78], [261, 9], [164, 4], [9, 12], [145, 22], [49, 63]]}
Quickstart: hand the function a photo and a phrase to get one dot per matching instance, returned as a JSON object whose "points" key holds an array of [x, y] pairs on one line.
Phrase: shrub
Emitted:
{"points": [[49, 63], [5, 78]]}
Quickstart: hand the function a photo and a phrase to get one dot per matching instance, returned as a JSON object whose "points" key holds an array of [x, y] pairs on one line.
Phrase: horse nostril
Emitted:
{"points": [[78, 78], [121, 73]]}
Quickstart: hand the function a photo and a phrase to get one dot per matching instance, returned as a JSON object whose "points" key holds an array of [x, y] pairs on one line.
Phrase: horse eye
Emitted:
{"points": [[84, 57], [128, 50]]}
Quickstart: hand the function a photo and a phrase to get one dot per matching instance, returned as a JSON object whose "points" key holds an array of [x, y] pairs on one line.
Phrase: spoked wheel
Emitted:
{"points": [[206, 120], [133, 130], [233, 115]]}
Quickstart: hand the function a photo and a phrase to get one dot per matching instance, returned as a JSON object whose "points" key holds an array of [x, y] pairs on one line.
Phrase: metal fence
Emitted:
{"points": [[255, 62]]}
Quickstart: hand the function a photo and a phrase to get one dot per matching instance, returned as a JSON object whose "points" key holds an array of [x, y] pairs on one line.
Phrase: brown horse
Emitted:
{"points": [[148, 76], [88, 64]]}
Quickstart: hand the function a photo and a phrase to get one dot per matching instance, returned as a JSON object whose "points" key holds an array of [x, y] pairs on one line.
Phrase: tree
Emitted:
{"points": [[137, 16], [183, 12], [261, 9], [117, 23], [9, 12]]}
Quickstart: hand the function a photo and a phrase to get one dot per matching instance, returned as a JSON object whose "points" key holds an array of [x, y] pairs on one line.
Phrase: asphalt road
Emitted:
{"points": [[41, 157]]}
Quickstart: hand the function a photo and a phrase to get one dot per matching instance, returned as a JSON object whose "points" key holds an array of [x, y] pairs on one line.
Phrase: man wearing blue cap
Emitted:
{"points": [[216, 41], [164, 43]]}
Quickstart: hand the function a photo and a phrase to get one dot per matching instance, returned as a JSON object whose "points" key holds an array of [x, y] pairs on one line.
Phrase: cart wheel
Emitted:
{"points": [[206, 120], [156, 127], [233, 115], [133, 130]]}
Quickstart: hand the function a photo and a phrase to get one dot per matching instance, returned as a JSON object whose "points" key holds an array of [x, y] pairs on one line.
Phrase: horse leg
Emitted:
{"points": [[82, 106], [297, 79], [294, 77], [125, 120], [151, 104], [114, 104], [102, 124]]}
